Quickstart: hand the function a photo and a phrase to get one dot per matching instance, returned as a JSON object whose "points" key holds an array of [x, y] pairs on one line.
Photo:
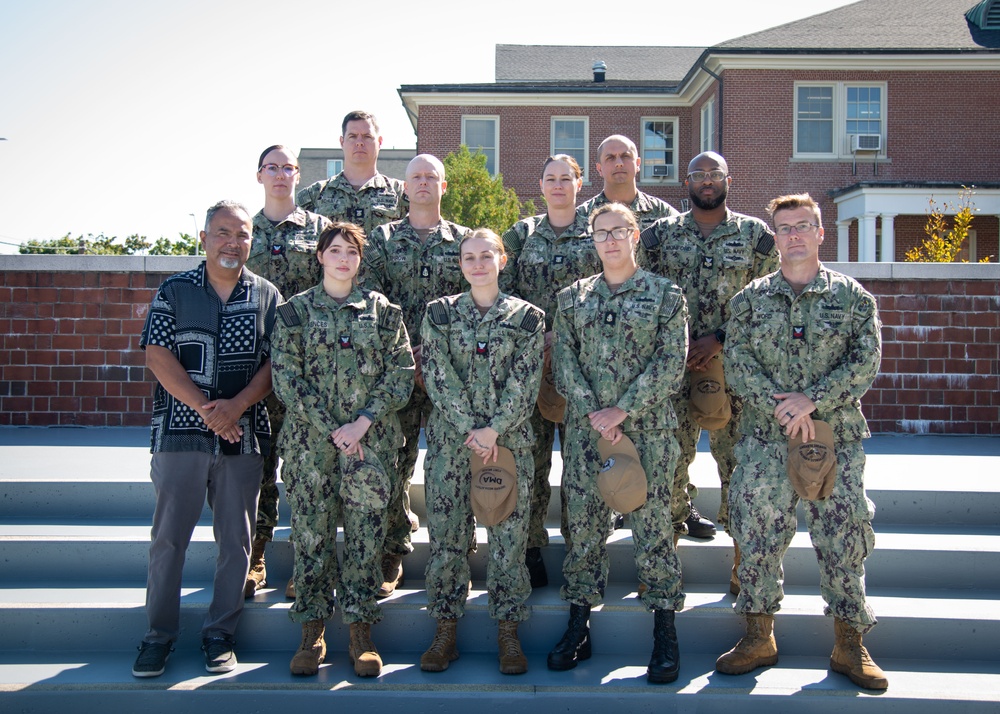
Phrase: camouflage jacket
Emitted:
{"points": [[411, 273], [379, 201], [332, 361], [540, 264], [710, 270], [483, 370], [625, 349], [826, 343], [647, 209], [285, 253]]}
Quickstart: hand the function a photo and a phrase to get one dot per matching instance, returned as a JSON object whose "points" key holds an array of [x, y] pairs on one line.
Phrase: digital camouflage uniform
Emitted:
{"points": [[627, 350], [379, 201], [825, 343], [647, 209], [285, 254], [539, 264], [411, 274], [333, 362], [479, 371], [710, 271]]}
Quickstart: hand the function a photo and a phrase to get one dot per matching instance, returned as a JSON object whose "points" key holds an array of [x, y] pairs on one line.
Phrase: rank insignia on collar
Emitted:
{"points": [[707, 262], [345, 342], [798, 332], [609, 318], [277, 249], [480, 348], [425, 271]]}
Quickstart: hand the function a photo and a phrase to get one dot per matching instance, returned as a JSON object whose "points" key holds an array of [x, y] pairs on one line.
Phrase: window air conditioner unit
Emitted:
{"points": [[866, 142], [662, 170]]}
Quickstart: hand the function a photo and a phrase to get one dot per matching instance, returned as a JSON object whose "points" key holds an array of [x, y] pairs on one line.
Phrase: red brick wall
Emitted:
{"points": [[69, 350]]}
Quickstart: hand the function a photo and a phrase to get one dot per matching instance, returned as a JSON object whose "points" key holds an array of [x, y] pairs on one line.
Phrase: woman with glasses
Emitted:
{"points": [[482, 363], [341, 361], [618, 357], [545, 254]]}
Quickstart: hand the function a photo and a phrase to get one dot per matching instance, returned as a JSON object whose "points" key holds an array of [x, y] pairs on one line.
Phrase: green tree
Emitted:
{"points": [[477, 200], [104, 245], [943, 244], [56, 246], [185, 245]]}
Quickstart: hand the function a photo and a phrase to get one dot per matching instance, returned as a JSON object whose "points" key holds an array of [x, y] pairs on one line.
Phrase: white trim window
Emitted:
{"points": [[482, 133], [708, 125], [334, 167], [570, 135], [658, 150], [829, 115]]}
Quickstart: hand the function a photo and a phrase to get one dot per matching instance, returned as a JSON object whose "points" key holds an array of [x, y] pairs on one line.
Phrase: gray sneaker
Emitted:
{"points": [[152, 659], [219, 655]]}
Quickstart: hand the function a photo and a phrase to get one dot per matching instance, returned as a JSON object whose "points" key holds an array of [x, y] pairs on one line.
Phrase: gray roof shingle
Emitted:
{"points": [[555, 63]]}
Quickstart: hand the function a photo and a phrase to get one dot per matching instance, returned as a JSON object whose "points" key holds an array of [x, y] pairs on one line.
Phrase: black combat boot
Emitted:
{"points": [[665, 662], [536, 568], [574, 646]]}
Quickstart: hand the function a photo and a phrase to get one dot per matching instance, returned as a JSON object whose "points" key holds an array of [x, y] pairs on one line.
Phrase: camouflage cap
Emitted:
{"points": [[710, 405], [494, 488], [812, 465], [622, 480]]}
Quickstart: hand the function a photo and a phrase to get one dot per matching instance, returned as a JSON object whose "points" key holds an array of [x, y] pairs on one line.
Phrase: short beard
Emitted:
{"points": [[709, 205], [229, 263]]}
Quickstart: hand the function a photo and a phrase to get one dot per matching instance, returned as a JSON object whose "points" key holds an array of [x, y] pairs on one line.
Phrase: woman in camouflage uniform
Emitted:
{"points": [[482, 365], [342, 363]]}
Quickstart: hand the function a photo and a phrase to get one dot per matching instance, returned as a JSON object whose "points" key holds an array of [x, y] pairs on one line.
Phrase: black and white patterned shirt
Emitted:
{"points": [[221, 346]]}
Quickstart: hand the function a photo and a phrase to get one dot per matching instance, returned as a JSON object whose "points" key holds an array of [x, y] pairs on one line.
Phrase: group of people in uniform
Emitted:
{"points": [[620, 323]]}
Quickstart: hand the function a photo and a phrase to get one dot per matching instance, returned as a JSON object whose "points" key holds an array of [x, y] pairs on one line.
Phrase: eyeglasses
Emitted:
{"points": [[800, 228], [273, 169], [619, 233], [699, 176]]}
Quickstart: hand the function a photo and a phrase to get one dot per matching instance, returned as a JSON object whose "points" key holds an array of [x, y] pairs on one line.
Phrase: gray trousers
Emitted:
{"points": [[182, 480]]}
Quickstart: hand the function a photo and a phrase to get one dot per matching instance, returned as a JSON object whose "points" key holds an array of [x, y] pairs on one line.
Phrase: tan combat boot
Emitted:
{"points": [[362, 652], [734, 580], [290, 589], [257, 577], [756, 649], [392, 574], [512, 659], [851, 658], [312, 651], [443, 650]]}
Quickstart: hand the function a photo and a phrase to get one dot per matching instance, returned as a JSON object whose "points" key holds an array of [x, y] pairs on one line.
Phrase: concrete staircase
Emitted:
{"points": [[75, 508]]}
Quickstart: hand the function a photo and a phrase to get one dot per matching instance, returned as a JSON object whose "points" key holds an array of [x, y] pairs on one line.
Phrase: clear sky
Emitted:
{"points": [[127, 116]]}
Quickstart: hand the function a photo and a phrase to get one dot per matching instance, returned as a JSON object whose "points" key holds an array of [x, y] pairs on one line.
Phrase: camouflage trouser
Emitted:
{"points": [[587, 562], [397, 536], [762, 507], [541, 490], [721, 441], [267, 504], [323, 486], [450, 523]]}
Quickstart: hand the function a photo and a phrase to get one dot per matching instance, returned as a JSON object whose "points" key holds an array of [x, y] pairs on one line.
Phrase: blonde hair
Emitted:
{"points": [[487, 235], [793, 201], [619, 208]]}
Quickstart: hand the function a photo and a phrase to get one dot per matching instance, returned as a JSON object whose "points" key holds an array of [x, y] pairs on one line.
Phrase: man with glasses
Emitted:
{"points": [[284, 252], [618, 164], [712, 253], [804, 345], [359, 194]]}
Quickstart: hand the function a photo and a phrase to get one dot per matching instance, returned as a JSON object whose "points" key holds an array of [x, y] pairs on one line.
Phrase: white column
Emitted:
{"points": [[888, 247], [866, 238], [844, 240]]}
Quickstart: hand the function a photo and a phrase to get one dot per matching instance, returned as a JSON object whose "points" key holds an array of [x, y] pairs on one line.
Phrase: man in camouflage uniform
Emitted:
{"points": [[413, 261], [712, 253], [620, 341], [359, 194], [618, 164], [335, 363], [804, 343], [284, 252]]}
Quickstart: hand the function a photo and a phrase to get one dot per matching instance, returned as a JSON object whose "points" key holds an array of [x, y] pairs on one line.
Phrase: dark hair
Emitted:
{"points": [[232, 206], [268, 150], [358, 115], [353, 234], [566, 159], [618, 208]]}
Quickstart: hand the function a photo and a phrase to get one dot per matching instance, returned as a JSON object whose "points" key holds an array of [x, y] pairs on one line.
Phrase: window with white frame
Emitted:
{"points": [[569, 135], [708, 125], [834, 119], [482, 134], [334, 167], [659, 149]]}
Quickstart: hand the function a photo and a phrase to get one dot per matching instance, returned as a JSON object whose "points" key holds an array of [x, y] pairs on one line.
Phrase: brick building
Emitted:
{"points": [[874, 108]]}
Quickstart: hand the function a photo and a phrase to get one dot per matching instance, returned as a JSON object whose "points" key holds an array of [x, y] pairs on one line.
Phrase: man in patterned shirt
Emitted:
{"points": [[207, 341]]}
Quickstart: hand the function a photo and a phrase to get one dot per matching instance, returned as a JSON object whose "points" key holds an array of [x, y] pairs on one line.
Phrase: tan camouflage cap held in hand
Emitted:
{"points": [[551, 403], [622, 480], [710, 406], [812, 466], [494, 488]]}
